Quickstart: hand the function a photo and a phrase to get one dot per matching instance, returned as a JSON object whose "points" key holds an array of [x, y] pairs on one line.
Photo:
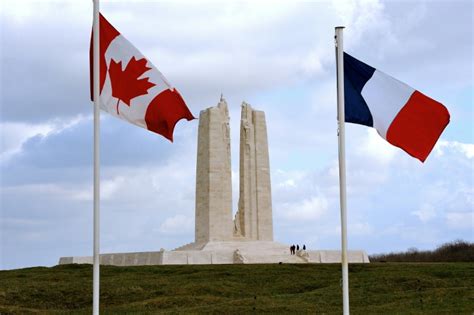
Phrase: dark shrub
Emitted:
{"points": [[455, 251]]}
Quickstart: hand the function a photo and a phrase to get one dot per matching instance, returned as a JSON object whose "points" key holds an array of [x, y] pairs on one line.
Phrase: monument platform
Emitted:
{"points": [[216, 253]]}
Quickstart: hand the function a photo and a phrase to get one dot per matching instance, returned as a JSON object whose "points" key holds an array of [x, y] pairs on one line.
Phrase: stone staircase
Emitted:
{"points": [[190, 246], [266, 253]]}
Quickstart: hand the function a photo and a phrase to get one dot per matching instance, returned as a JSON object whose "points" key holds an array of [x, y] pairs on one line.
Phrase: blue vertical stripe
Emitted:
{"points": [[356, 75]]}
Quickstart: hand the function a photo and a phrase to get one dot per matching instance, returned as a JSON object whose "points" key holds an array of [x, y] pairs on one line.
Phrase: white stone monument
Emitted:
{"points": [[219, 239], [253, 220], [213, 176]]}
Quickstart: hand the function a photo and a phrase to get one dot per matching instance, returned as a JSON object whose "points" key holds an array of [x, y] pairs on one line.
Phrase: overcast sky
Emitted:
{"points": [[277, 56]]}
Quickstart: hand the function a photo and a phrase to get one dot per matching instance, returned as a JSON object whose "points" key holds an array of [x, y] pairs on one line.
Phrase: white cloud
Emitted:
{"points": [[48, 190], [307, 210], [414, 234], [313, 63], [108, 189], [425, 213], [443, 145], [461, 220], [178, 224], [360, 229], [15, 134], [288, 183], [365, 19], [377, 148], [288, 180]]}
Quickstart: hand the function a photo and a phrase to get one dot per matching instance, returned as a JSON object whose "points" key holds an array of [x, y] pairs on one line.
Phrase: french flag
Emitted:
{"points": [[402, 115]]}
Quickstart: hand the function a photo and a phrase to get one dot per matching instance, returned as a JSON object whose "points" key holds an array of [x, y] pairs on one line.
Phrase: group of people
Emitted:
{"points": [[294, 248]]}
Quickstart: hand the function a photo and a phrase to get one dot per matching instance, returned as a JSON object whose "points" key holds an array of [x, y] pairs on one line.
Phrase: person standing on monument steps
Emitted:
{"points": [[304, 247], [297, 247]]}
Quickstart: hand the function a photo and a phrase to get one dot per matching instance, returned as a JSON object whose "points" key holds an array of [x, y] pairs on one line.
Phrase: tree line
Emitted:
{"points": [[456, 251]]}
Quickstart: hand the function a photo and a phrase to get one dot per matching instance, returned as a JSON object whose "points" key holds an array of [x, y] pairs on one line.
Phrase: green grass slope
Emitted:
{"points": [[380, 288]]}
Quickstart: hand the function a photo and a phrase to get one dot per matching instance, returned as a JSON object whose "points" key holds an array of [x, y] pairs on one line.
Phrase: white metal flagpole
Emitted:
{"points": [[342, 166], [96, 84]]}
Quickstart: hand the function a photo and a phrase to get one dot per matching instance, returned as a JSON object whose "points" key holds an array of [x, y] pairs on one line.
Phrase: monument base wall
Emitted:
{"points": [[216, 253]]}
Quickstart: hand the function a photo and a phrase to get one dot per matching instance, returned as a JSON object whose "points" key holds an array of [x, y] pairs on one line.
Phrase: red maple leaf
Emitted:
{"points": [[125, 83]]}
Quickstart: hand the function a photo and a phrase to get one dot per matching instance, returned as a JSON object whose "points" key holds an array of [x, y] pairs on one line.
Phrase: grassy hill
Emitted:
{"points": [[378, 288]]}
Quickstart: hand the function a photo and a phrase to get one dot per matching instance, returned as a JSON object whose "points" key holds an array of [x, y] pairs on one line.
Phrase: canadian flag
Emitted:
{"points": [[132, 88]]}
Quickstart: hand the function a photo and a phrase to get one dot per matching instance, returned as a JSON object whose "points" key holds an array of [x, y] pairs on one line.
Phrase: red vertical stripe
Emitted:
{"points": [[164, 111], [418, 125], [107, 35]]}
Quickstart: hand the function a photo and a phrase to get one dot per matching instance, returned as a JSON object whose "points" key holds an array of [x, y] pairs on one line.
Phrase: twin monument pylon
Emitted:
{"points": [[253, 220], [221, 238]]}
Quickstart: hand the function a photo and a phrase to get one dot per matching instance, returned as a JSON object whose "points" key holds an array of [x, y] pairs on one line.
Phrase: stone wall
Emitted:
{"points": [[251, 252]]}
